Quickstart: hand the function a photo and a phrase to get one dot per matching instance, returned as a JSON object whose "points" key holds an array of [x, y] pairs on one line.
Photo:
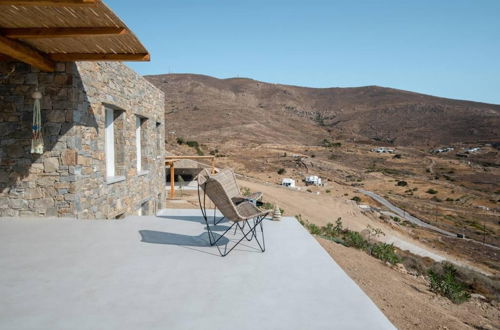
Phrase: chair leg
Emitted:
{"points": [[251, 231]]}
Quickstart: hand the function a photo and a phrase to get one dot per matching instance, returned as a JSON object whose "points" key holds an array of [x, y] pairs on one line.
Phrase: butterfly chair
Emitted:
{"points": [[218, 189], [232, 189]]}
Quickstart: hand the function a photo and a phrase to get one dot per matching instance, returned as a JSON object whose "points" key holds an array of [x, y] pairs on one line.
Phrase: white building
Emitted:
{"points": [[313, 180], [383, 150], [287, 182]]}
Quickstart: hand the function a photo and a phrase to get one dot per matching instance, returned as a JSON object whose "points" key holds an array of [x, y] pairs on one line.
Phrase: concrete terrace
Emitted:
{"points": [[159, 273]]}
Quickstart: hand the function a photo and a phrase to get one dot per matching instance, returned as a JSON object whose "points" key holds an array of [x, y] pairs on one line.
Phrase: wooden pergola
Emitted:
{"points": [[170, 162], [42, 32]]}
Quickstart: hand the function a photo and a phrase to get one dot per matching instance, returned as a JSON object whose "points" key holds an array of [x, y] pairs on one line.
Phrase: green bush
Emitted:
{"points": [[445, 283], [431, 191], [328, 191], [267, 206], [281, 171], [192, 144], [402, 183], [385, 252], [245, 191], [314, 229], [180, 140], [356, 199], [354, 239]]}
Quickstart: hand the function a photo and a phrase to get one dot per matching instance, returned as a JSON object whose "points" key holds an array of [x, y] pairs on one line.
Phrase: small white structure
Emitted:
{"points": [[471, 150], [313, 180], [383, 150], [287, 182], [441, 150]]}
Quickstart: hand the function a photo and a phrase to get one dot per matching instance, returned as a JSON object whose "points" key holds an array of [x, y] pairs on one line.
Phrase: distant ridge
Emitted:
{"points": [[213, 109]]}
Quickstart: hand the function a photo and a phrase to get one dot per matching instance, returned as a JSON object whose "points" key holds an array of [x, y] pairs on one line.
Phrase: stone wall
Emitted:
{"points": [[69, 178], [114, 85]]}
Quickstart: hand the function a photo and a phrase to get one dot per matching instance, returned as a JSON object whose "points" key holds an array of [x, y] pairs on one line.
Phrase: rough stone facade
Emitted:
{"points": [[69, 178]]}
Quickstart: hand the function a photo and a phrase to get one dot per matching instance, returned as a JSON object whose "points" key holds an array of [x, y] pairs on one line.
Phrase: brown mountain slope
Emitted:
{"points": [[211, 109]]}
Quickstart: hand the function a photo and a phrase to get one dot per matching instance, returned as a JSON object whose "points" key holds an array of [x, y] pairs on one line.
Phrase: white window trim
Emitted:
{"points": [[138, 143], [109, 143]]}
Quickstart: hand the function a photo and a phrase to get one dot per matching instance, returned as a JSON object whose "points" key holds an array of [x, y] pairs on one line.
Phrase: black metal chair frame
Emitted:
{"points": [[257, 222]]}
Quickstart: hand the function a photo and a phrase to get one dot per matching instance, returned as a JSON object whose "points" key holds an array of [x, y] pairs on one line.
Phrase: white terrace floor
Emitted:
{"points": [[159, 273]]}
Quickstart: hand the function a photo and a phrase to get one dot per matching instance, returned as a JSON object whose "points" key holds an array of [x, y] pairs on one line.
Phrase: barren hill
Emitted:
{"points": [[211, 109]]}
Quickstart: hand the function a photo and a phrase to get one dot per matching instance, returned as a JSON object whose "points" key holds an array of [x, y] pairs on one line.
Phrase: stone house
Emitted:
{"points": [[102, 124]]}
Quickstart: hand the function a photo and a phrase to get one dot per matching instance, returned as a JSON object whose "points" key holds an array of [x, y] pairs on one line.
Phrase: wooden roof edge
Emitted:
{"points": [[61, 32], [50, 3], [72, 57]]}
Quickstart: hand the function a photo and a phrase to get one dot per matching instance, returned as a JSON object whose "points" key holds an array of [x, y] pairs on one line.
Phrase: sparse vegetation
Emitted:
{"points": [[281, 171], [245, 191], [329, 144], [444, 282], [431, 191], [350, 238]]}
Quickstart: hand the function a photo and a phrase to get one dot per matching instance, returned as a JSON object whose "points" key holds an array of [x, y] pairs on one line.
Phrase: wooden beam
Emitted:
{"points": [[50, 3], [172, 181], [33, 33], [71, 57], [25, 54]]}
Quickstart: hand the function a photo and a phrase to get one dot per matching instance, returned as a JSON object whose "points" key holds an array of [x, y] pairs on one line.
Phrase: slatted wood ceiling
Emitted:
{"points": [[65, 30]]}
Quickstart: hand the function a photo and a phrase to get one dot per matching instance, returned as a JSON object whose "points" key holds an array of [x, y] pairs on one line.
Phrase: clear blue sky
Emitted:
{"points": [[448, 48]]}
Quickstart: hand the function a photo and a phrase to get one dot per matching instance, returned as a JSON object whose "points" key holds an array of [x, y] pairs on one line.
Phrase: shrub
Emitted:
{"points": [[326, 143], [402, 184], [354, 239], [268, 206], [385, 252], [245, 191], [313, 155], [281, 171], [431, 191], [356, 199], [328, 191], [314, 229], [180, 140], [436, 199], [192, 144], [445, 283]]}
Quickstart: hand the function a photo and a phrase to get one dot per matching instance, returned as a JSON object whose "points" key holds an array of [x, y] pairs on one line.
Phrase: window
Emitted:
{"points": [[114, 144], [158, 139], [110, 143], [140, 143]]}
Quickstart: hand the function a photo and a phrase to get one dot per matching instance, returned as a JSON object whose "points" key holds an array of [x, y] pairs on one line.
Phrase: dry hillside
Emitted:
{"points": [[207, 108]]}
